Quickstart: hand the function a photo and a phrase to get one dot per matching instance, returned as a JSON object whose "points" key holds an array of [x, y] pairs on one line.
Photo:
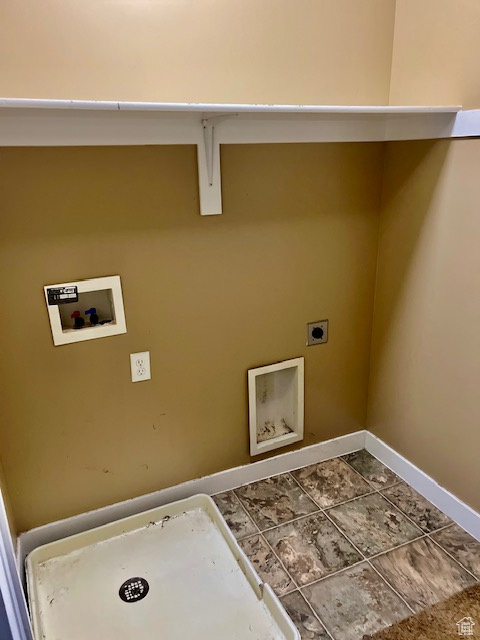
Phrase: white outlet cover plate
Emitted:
{"points": [[140, 366]]}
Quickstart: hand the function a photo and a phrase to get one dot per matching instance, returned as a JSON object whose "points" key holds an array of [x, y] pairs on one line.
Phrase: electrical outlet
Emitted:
{"points": [[140, 366], [317, 332]]}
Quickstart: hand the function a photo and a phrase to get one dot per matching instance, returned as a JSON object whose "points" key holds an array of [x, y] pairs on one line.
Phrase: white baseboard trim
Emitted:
{"points": [[215, 483], [452, 506], [461, 513]]}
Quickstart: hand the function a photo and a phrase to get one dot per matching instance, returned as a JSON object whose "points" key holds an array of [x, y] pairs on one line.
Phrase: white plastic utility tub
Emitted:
{"points": [[171, 573]]}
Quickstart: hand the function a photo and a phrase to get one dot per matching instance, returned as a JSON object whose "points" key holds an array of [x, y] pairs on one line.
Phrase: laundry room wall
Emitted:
{"points": [[425, 371], [436, 53], [274, 51], [209, 297]]}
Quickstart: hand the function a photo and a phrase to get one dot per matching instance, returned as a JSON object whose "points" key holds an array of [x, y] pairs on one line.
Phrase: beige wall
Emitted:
{"points": [[436, 53], [273, 51], [209, 297], [424, 393], [423, 397]]}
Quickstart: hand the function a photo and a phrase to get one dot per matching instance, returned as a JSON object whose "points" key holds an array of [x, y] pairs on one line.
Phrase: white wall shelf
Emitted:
{"points": [[32, 122]]}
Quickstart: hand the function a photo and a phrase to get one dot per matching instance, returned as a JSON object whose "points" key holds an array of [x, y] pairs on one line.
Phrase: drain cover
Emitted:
{"points": [[134, 590]]}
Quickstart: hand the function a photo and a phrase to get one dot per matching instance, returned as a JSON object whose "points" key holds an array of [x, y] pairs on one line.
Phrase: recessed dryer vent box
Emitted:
{"points": [[86, 309], [276, 405]]}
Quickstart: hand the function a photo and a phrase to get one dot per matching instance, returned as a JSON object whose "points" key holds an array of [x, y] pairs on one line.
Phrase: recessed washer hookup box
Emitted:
{"points": [[85, 309]]}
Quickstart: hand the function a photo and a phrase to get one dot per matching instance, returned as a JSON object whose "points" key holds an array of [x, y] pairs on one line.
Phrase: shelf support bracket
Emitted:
{"points": [[209, 142], [209, 170]]}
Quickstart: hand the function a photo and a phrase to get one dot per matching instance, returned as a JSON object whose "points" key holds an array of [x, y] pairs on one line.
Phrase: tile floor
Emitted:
{"points": [[349, 547]]}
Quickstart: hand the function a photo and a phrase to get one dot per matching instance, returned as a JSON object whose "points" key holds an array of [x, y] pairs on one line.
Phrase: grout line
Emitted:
{"points": [[369, 493], [305, 466], [281, 523], [404, 514], [283, 473], [445, 526], [304, 491], [281, 563], [319, 508], [368, 481], [362, 555], [395, 591], [323, 511], [247, 514], [371, 565], [427, 534], [454, 559], [289, 473], [269, 546], [408, 517], [380, 491], [334, 574], [339, 504], [313, 513], [423, 534], [390, 486], [364, 495], [450, 524], [398, 546], [358, 473], [249, 535], [316, 615]]}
